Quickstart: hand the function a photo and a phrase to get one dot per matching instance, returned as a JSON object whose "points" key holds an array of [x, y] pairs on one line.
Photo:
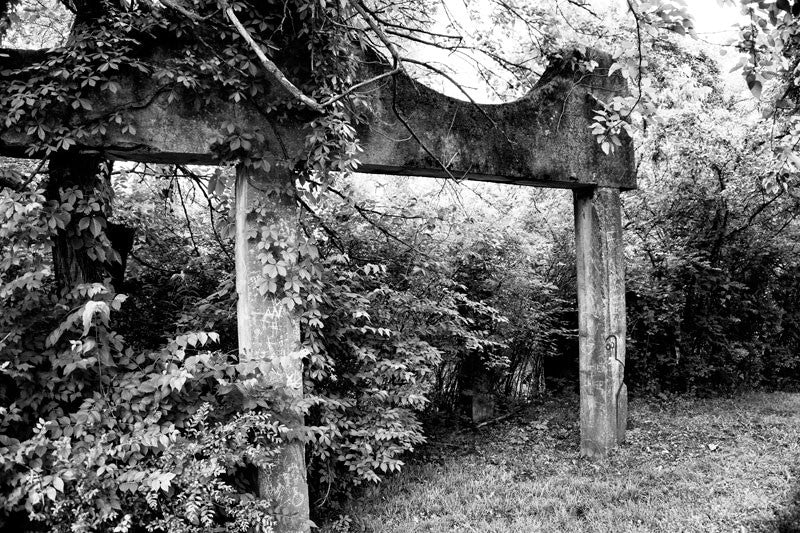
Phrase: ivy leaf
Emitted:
{"points": [[755, 88], [95, 227], [90, 310]]}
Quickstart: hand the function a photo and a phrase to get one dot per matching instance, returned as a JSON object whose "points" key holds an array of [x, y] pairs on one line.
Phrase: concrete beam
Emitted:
{"points": [[269, 335], [542, 139], [601, 320]]}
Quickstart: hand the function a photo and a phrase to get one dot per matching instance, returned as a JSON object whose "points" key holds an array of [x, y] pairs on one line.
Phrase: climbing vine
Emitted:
{"points": [[100, 433]]}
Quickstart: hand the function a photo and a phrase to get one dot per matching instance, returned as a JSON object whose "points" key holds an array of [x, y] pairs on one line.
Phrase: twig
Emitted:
{"points": [[361, 84], [148, 264], [390, 24], [499, 418], [398, 62], [583, 6], [639, 47], [186, 214], [414, 134], [19, 187], [335, 238], [211, 210], [194, 17], [32, 175], [362, 211]]}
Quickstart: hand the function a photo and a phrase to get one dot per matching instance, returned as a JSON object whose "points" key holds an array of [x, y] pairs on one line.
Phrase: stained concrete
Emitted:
{"points": [[601, 319], [542, 139], [269, 334]]}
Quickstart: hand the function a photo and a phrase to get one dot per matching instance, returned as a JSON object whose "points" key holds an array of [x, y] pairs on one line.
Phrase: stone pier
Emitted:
{"points": [[269, 335], [601, 319]]}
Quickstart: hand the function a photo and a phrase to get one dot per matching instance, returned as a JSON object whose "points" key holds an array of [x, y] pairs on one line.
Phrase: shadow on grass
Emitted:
{"points": [[787, 518]]}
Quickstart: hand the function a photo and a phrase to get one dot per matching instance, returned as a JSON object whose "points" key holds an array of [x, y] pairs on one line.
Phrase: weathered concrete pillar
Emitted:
{"points": [[268, 333], [601, 319]]}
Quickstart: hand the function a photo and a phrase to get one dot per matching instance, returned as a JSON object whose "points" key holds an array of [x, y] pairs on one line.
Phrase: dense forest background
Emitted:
{"points": [[125, 396]]}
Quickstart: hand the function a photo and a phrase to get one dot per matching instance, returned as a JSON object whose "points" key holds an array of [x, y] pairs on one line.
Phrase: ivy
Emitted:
{"points": [[104, 432]]}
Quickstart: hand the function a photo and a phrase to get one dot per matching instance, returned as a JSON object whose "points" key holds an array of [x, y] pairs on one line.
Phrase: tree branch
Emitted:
{"points": [[639, 50], [211, 209], [186, 215], [334, 236], [361, 84], [363, 212], [361, 10], [191, 15], [268, 65]]}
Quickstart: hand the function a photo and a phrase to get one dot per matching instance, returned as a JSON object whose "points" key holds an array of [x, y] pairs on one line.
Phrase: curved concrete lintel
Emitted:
{"points": [[542, 139]]}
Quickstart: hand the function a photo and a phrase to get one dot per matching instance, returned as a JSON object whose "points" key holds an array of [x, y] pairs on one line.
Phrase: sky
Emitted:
{"points": [[715, 26], [713, 20]]}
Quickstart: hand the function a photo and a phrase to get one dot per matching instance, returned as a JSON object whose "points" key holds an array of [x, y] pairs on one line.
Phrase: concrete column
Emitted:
{"points": [[601, 319], [269, 335]]}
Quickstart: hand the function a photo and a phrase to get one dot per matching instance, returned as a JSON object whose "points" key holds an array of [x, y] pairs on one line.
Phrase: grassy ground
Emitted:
{"points": [[726, 465]]}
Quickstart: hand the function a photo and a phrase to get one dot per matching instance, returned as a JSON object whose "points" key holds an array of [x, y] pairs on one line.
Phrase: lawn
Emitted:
{"points": [[722, 464]]}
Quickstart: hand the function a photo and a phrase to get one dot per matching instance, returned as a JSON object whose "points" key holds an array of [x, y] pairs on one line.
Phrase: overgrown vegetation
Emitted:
{"points": [[125, 404], [724, 464]]}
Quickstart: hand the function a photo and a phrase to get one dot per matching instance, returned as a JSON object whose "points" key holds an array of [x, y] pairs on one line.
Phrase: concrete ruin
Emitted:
{"points": [[542, 140]]}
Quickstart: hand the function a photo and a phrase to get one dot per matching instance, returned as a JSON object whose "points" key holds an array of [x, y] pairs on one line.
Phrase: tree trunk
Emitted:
{"points": [[90, 249]]}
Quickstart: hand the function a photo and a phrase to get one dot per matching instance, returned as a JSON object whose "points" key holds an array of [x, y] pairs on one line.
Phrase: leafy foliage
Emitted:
{"points": [[127, 405], [709, 294]]}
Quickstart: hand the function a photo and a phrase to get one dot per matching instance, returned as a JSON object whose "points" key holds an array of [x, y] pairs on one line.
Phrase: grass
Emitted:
{"points": [[699, 465]]}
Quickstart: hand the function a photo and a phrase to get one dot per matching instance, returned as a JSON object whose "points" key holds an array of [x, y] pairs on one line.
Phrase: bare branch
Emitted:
{"points": [[361, 84], [186, 215], [334, 236], [361, 10], [364, 213], [211, 210], [583, 5], [268, 65], [33, 174], [414, 134], [390, 24], [639, 50], [191, 15]]}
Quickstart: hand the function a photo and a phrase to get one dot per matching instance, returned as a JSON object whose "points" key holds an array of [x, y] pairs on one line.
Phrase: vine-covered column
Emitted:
{"points": [[269, 333], [601, 319], [89, 249]]}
